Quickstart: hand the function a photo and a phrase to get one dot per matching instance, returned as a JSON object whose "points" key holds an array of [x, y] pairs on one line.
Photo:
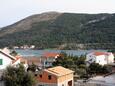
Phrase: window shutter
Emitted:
{"points": [[1, 61]]}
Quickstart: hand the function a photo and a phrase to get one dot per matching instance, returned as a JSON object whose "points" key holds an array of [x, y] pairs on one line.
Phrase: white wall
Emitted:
{"points": [[111, 58], [65, 83], [102, 59], [6, 61]]}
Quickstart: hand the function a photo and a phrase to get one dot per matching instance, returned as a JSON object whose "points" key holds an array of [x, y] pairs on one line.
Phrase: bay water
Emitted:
{"points": [[38, 53]]}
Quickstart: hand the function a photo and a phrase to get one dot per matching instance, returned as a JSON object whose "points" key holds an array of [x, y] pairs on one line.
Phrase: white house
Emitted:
{"points": [[8, 60], [100, 57]]}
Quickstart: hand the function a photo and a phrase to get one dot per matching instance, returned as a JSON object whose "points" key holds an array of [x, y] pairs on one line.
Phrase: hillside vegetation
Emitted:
{"points": [[62, 31]]}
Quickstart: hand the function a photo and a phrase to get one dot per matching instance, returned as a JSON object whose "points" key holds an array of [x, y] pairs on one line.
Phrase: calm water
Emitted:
{"points": [[41, 52]]}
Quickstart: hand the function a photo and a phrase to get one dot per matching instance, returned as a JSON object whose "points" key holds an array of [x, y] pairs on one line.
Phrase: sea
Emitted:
{"points": [[38, 53]]}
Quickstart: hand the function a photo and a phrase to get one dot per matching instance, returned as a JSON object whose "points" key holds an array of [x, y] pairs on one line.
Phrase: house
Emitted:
{"points": [[48, 58], [56, 76], [32, 46], [100, 57], [8, 60]]}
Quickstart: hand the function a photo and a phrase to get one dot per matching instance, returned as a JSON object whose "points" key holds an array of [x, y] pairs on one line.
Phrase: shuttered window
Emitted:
{"points": [[1, 61]]}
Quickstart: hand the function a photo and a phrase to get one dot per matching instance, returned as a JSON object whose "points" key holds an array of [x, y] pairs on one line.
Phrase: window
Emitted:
{"points": [[49, 77], [40, 76], [90, 60], [35, 75], [1, 61], [46, 63], [70, 83]]}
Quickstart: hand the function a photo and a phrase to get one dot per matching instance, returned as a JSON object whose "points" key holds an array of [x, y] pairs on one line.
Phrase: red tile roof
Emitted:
{"points": [[49, 54], [100, 53], [34, 60]]}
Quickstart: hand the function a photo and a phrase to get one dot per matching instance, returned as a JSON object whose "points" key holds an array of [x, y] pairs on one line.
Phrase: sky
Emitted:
{"points": [[12, 11]]}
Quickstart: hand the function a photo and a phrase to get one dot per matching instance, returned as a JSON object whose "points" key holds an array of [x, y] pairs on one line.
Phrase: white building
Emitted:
{"points": [[100, 57], [8, 60]]}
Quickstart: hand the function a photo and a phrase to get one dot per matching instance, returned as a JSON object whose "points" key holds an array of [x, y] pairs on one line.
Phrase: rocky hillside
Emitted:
{"points": [[28, 22], [62, 31]]}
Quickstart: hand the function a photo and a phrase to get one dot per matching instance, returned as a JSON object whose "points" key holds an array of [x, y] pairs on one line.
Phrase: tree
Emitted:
{"points": [[13, 53], [72, 62], [17, 76], [32, 67], [95, 68]]}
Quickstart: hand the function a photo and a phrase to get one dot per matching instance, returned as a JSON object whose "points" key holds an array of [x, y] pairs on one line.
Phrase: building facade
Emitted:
{"points": [[8, 60], [48, 58], [102, 58], [56, 76]]}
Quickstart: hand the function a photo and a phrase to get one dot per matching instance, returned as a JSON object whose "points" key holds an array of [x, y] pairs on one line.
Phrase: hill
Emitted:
{"points": [[62, 31]]}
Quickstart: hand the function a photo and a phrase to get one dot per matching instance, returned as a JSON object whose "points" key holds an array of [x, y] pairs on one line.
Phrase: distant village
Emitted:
{"points": [[50, 68], [24, 47]]}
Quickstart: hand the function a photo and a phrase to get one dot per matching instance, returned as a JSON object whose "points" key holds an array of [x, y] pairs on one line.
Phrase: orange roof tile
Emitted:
{"points": [[34, 60], [59, 71], [100, 53], [49, 54]]}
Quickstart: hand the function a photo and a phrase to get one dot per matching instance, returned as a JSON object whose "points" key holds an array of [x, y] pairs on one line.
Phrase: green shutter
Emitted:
{"points": [[1, 62]]}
